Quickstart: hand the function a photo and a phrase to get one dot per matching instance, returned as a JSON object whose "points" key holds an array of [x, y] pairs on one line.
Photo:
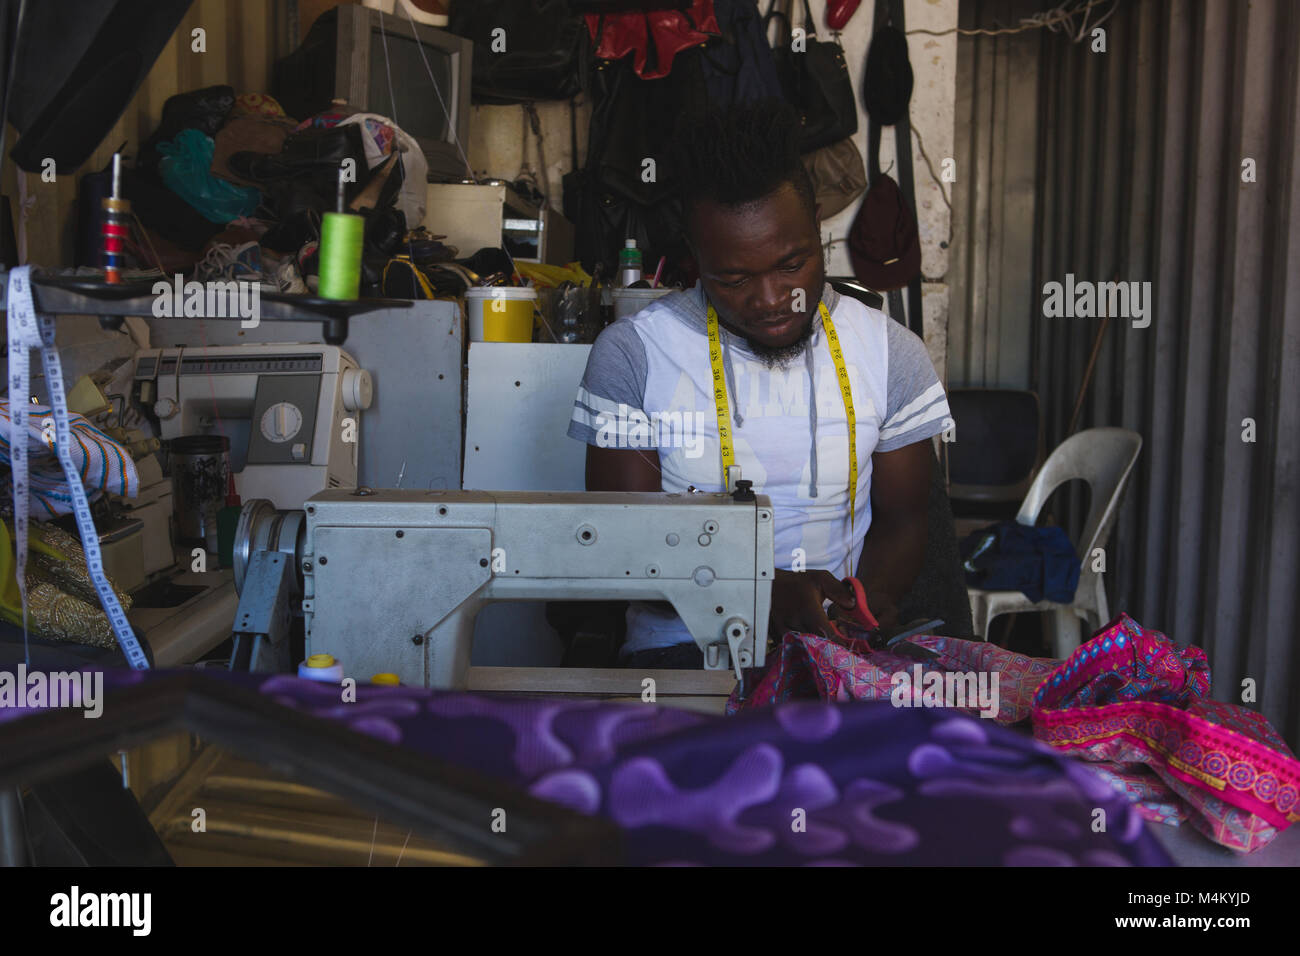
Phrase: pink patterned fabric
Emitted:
{"points": [[1153, 798], [1130, 702], [1226, 762], [809, 666]]}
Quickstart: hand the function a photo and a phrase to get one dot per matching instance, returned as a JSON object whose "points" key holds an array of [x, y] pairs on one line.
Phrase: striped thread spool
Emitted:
{"points": [[115, 232]]}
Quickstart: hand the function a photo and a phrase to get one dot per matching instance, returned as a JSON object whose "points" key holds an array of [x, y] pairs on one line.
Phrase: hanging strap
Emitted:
{"points": [[903, 146], [890, 12], [809, 25], [573, 131]]}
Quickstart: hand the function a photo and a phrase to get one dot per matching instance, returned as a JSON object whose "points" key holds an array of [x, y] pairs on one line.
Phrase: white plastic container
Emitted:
{"points": [[632, 301]]}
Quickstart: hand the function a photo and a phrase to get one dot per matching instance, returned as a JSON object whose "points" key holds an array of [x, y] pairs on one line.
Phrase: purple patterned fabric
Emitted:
{"points": [[801, 783]]}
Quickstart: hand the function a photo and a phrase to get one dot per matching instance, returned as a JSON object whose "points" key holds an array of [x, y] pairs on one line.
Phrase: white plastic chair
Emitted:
{"points": [[1104, 458]]}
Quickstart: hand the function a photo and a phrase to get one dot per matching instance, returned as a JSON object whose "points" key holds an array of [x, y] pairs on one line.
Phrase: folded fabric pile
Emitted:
{"points": [[104, 465], [232, 188], [62, 604], [1138, 705], [1130, 702]]}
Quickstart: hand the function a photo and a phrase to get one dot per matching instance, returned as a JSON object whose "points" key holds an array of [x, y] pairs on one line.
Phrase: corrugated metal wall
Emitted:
{"points": [[1136, 172], [242, 40], [996, 126]]}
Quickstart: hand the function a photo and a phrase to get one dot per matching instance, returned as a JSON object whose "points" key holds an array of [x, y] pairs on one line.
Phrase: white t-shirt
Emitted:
{"points": [[648, 385]]}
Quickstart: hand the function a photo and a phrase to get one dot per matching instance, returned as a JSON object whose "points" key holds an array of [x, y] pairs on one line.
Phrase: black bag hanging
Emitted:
{"points": [[545, 43], [739, 66], [610, 200], [817, 82], [632, 120], [606, 199], [887, 83]]}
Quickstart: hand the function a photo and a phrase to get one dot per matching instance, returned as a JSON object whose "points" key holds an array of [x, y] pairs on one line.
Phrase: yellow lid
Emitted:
{"points": [[385, 679], [320, 660]]}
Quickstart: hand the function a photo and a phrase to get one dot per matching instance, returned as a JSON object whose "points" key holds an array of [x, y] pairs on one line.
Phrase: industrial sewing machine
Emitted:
{"points": [[391, 581], [292, 412]]}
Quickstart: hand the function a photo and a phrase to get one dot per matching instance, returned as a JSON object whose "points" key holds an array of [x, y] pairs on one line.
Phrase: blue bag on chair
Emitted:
{"points": [[1039, 562]]}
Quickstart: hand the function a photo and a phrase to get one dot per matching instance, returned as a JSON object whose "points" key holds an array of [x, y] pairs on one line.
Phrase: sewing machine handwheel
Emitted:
{"points": [[263, 528]]}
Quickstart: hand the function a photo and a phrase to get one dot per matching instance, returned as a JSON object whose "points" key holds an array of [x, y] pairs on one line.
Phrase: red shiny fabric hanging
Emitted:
{"points": [[653, 38]]}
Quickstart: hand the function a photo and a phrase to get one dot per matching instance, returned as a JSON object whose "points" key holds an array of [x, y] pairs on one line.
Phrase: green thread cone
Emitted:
{"points": [[340, 256]]}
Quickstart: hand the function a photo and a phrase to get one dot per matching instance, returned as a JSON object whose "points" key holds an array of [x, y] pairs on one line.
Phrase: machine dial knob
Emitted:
{"points": [[281, 422], [358, 389]]}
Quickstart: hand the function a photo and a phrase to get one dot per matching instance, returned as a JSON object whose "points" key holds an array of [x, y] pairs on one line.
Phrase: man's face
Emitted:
{"points": [[754, 260]]}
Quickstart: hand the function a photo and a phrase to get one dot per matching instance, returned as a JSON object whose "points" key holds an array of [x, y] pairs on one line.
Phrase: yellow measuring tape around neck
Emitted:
{"points": [[722, 405]]}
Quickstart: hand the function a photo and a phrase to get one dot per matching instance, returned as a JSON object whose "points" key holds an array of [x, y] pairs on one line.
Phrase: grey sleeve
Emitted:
{"points": [[917, 405], [613, 386]]}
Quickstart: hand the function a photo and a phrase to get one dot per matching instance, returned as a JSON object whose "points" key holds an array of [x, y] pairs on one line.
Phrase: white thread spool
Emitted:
{"points": [[323, 668]]}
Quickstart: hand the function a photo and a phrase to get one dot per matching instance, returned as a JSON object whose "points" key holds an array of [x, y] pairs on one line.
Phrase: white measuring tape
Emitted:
{"points": [[28, 331]]}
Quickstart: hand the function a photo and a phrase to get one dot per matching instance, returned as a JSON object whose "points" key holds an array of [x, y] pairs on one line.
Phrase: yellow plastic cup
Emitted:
{"points": [[500, 313]]}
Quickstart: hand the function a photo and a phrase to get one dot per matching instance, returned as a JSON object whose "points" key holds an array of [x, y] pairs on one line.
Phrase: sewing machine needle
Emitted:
{"points": [[400, 474]]}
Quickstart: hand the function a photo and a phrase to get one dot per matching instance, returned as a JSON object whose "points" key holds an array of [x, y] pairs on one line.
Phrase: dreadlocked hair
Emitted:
{"points": [[738, 155]]}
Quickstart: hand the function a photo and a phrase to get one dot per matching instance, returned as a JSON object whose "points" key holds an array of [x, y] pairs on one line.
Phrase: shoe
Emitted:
{"points": [[224, 262], [283, 276]]}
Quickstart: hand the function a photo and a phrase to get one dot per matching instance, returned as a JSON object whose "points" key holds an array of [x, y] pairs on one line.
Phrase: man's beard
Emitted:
{"points": [[782, 355]]}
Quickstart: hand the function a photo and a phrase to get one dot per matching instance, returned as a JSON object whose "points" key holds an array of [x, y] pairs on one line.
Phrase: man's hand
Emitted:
{"points": [[880, 605], [798, 598]]}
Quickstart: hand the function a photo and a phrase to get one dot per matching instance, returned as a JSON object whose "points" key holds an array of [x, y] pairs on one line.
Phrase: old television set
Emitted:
{"points": [[417, 75]]}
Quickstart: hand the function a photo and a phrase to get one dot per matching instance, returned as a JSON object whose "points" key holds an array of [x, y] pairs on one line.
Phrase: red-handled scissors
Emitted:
{"points": [[860, 614]]}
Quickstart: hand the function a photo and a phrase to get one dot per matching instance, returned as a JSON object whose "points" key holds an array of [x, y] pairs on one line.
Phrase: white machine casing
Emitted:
{"points": [[301, 404], [393, 580]]}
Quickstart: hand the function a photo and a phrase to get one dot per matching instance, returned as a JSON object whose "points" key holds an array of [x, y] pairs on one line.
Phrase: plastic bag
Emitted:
{"points": [[186, 169], [204, 110], [382, 137]]}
